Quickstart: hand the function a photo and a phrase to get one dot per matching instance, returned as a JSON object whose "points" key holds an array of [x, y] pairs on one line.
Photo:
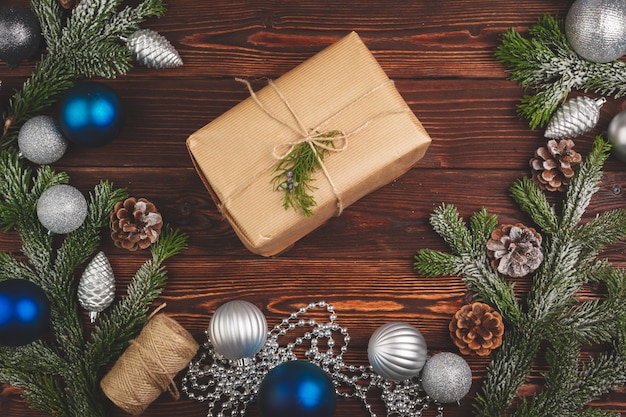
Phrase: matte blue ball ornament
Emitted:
{"points": [[296, 389], [91, 114], [24, 312]]}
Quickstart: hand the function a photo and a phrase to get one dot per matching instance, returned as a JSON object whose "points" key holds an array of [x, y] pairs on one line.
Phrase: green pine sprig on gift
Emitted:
{"points": [[548, 68], [59, 375], [87, 44], [296, 168], [550, 314]]}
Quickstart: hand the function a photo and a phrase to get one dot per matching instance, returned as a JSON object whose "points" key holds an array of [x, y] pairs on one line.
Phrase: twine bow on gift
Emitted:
{"points": [[299, 159]]}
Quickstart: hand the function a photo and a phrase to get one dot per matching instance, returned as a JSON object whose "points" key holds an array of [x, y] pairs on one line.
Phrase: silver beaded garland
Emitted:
{"points": [[96, 287], [62, 209], [228, 386], [153, 50], [40, 140], [596, 29]]}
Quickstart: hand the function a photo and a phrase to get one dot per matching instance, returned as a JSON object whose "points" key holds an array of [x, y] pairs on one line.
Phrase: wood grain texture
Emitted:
{"points": [[439, 53]]}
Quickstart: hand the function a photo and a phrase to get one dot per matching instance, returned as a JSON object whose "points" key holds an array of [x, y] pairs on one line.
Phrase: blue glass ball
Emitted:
{"points": [[24, 312], [296, 389], [91, 114]]}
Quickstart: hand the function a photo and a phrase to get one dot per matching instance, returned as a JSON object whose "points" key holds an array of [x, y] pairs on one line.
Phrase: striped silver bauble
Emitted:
{"points": [[238, 330], [397, 351]]}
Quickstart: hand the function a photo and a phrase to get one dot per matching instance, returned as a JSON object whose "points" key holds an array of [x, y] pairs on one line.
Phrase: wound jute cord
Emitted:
{"points": [[316, 136], [148, 366]]}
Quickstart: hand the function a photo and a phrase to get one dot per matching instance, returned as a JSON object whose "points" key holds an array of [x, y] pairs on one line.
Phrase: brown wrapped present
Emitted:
{"points": [[341, 92]]}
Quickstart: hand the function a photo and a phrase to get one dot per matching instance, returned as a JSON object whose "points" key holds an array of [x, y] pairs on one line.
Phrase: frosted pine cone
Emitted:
{"points": [[135, 224], [476, 329], [515, 250], [553, 165], [153, 50]]}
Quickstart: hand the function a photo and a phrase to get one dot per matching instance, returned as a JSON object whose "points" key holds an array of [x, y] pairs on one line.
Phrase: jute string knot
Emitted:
{"points": [[317, 137], [148, 366]]}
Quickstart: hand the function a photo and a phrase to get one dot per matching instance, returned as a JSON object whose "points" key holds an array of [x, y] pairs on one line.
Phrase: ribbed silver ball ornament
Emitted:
{"points": [[40, 140], [397, 351], [617, 135], [574, 118], [238, 330], [62, 209], [596, 29], [96, 287], [446, 377], [153, 50]]}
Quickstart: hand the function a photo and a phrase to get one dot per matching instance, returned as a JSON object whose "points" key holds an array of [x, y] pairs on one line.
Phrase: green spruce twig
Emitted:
{"points": [[295, 172], [548, 68], [60, 376], [89, 44], [550, 313]]}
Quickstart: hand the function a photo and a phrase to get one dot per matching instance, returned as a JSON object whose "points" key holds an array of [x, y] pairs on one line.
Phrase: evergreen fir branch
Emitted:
{"points": [[12, 268], [50, 18], [548, 67], [482, 224], [433, 263], [448, 224], [533, 201], [605, 229]]}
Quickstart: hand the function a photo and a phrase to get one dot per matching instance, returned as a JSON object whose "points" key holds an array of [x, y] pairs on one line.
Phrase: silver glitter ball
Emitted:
{"points": [[446, 377], [96, 287], [238, 330], [617, 135], [62, 209], [397, 351], [596, 29], [40, 140]]}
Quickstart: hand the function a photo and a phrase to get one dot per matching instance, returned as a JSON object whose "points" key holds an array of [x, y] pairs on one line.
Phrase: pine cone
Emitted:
{"points": [[477, 329], [515, 250], [553, 165], [135, 224]]}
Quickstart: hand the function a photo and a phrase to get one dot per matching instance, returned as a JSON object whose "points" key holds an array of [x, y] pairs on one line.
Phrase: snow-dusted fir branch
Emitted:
{"points": [[550, 314], [548, 68], [88, 44]]}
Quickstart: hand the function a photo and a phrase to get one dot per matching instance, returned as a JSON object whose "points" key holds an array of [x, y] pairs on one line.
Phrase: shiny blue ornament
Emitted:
{"points": [[24, 312], [296, 389], [91, 114]]}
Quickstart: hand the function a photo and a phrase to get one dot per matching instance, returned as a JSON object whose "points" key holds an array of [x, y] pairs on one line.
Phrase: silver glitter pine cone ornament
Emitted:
{"points": [[153, 50], [574, 118], [96, 288]]}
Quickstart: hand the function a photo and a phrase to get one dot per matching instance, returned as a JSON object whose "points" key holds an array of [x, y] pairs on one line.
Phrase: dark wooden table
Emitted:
{"points": [[440, 54]]}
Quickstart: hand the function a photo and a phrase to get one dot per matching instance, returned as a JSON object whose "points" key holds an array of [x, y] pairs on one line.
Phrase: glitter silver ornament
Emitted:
{"points": [[617, 135], [238, 330], [596, 29], [574, 118], [96, 287], [446, 377], [153, 50], [397, 351], [40, 140], [62, 209]]}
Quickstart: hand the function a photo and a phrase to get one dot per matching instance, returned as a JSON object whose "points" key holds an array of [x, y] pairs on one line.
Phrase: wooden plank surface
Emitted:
{"points": [[440, 53]]}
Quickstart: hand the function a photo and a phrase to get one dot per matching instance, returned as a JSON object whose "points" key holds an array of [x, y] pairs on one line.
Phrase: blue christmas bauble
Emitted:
{"points": [[296, 389], [24, 312], [91, 114]]}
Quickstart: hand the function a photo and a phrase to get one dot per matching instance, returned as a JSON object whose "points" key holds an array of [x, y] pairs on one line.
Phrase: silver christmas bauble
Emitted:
{"points": [[596, 29], [40, 140], [397, 351], [574, 118], [62, 209], [96, 287], [446, 377], [617, 135], [153, 50], [238, 330]]}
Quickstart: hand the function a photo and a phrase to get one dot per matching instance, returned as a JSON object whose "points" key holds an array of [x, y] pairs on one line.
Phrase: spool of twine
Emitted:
{"points": [[148, 366]]}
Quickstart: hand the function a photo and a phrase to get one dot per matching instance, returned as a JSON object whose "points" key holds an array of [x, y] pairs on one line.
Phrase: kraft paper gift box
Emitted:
{"points": [[341, 89]]}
